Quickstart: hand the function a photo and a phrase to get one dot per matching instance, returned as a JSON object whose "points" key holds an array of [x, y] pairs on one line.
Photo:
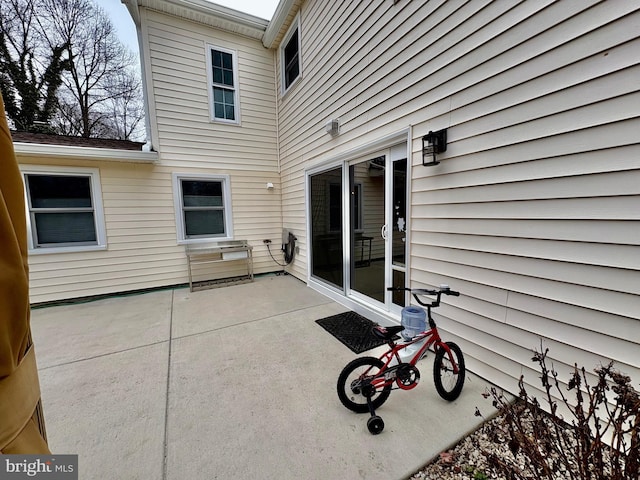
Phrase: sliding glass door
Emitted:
{"points": [[358, 220]]}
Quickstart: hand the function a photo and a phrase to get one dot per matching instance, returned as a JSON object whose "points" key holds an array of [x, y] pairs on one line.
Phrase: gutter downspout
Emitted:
{"points": [[134, 11], [277, 107], [148, 146]]}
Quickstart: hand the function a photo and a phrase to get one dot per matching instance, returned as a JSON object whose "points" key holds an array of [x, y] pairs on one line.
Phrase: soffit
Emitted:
{"points": [[210, 14], [282, 19]]}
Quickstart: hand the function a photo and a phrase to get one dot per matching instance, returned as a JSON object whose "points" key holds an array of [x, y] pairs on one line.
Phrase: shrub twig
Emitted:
{"points": [[600, 440]]}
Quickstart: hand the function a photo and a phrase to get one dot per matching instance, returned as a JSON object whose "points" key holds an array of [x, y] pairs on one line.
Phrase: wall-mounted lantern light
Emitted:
{"points": [[432, 143]]}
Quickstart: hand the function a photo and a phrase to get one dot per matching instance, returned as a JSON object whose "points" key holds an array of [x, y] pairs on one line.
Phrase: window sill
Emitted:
{"points": [[71, 249], [220, 121], [285, 91], [196, 241]]}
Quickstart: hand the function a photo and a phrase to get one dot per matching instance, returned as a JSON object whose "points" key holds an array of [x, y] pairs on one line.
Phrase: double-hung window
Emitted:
{"points": [[290, 56], [203, 207], [223, 80], [64, 209]]}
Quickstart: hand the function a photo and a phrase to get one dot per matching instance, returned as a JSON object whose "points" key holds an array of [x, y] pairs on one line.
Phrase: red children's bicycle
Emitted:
{"points": [[365, 383]]}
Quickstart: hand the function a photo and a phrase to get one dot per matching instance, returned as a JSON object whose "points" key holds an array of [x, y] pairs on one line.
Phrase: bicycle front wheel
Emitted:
{"points": [[354, 385], [448, 384]]}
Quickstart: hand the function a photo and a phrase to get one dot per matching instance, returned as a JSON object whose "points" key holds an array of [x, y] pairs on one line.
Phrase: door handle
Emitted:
{"points": [[383, 231]]}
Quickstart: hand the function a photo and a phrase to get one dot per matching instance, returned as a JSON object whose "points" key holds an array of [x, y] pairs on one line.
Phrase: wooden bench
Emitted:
{"points": [[224, 251]]}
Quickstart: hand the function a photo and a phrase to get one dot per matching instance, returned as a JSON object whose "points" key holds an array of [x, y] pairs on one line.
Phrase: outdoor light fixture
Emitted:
{"points": [[432, 143], [333, 127]]}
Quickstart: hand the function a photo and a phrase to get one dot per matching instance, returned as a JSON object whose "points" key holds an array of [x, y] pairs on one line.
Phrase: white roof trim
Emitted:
{"points": [[134, 10], [279, 17], [207, 13], [86, 153]]}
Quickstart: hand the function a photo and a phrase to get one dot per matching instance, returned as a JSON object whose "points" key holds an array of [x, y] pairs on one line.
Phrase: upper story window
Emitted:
{"points": [[290, 56], [223, 89], [64, 209], [203, 207]]}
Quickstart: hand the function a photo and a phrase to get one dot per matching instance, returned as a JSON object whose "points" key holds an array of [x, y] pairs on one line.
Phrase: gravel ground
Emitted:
{"points": [[467, 460]]}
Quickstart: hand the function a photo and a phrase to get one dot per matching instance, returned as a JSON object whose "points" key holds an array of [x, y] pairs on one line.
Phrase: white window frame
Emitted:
{"points": [[295, 25], [178, 205], [210, 85], [359, 191], [96, 200]]}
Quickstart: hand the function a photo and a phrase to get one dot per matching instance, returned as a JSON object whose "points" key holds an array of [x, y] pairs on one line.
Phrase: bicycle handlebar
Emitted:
{"points": [[423, 291]]}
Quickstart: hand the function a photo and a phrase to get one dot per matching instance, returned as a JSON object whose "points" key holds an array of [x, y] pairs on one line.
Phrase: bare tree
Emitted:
{"points": [[29, 76], [63, 69], [126, 104], [102, 76]]}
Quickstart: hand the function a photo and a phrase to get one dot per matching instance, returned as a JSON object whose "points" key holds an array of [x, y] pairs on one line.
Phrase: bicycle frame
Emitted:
{"points": [[432, 337], [387, 374]]}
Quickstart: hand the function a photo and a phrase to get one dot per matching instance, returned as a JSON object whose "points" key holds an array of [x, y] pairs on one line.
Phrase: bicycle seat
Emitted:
{"points": [[386, 333]]}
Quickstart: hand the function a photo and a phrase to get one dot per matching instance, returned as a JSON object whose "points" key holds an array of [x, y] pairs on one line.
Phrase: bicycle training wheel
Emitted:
{"points": [[448, 384], [354, 385]]}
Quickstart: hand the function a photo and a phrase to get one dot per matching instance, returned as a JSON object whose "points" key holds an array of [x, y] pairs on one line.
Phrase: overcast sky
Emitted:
{"points": [[127, 31]]}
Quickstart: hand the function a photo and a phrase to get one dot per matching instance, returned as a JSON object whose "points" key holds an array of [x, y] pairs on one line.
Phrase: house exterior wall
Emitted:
{"points": [[140, 218], [189, 142], [533, 211], [140, 221], [138, 214]]}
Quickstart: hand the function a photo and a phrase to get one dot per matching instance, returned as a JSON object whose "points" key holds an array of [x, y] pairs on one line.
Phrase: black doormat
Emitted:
{"points": [[353, 330]]}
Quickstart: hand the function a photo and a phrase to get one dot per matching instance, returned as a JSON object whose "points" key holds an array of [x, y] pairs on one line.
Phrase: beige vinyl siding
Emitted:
{"points": [[177, 51], [533, 211], [189, 142], [142, 250]]}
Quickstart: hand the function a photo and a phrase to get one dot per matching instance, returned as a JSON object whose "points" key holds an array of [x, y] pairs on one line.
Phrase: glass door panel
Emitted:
{"points": [[327, 261], [367, 227], [399, 229]]}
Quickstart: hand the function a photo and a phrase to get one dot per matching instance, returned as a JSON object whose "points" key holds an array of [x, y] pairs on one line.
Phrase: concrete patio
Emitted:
{"points": [[230, 383]]}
